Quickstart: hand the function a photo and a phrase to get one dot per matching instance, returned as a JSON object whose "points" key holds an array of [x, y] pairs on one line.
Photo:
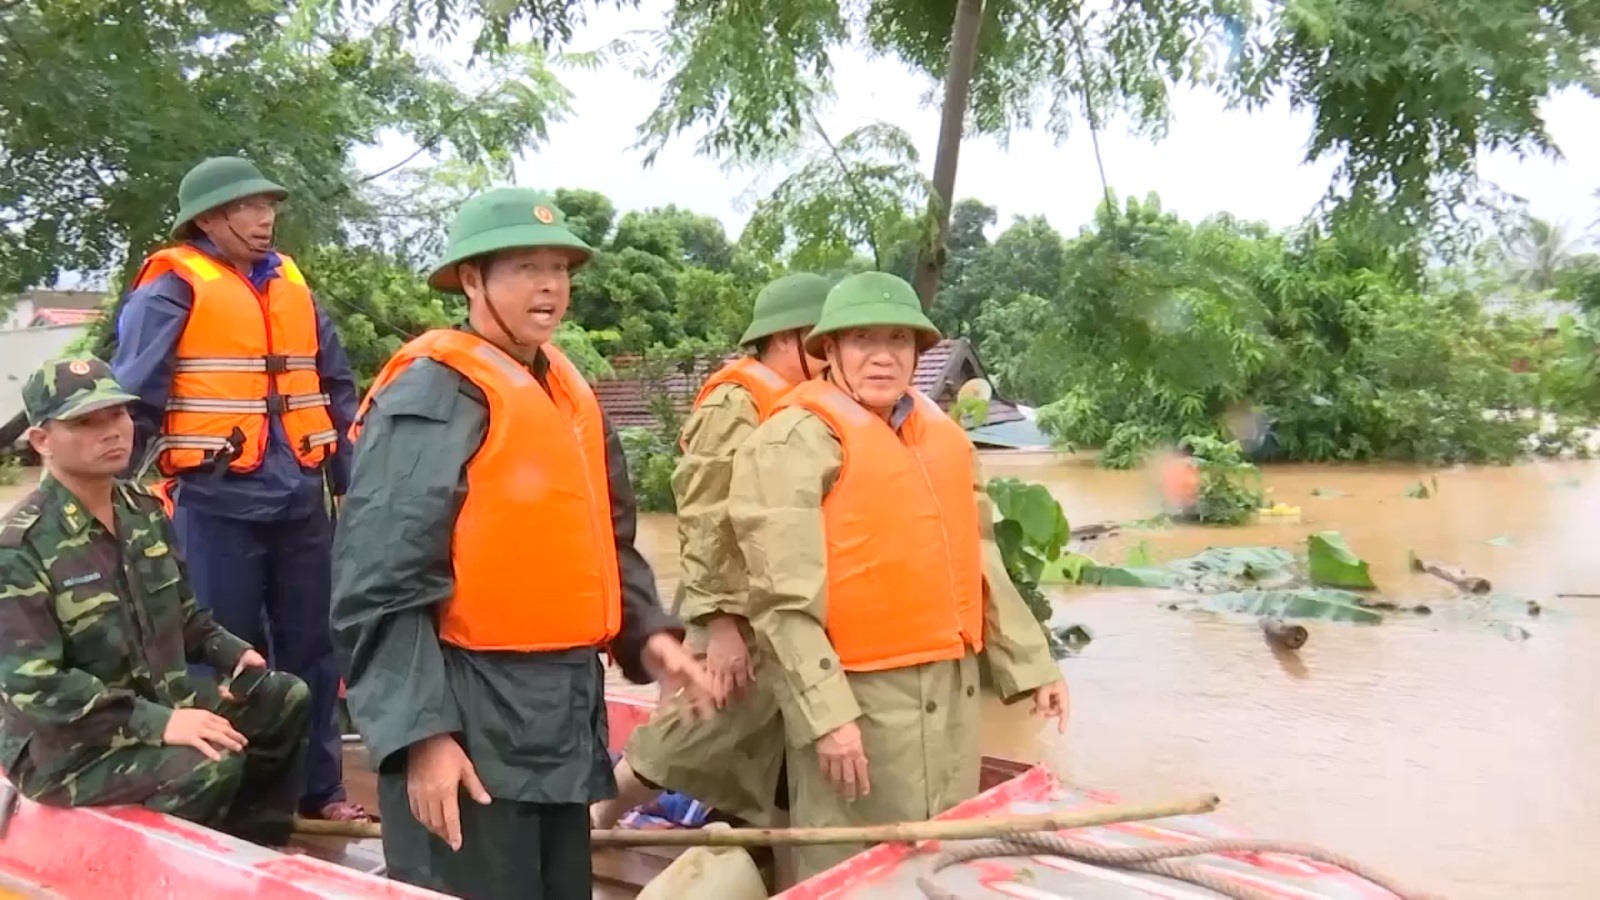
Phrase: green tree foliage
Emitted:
{"points": [[1403, 96], [1313, 344], [104, 104]]}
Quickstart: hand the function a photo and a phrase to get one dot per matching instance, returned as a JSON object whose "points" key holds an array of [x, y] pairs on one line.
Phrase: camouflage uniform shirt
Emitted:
{"points": [[96, 629]]}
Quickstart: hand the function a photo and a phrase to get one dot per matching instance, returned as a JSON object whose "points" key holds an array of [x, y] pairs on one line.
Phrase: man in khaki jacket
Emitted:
{"points": [[875, 578], [733, 761]]}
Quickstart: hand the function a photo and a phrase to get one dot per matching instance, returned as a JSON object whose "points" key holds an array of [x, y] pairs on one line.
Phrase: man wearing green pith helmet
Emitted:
{"points": [[875, 579], [485, 555], [733, 762]]}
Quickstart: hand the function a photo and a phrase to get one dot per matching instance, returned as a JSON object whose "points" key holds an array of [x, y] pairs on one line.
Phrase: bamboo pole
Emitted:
{"points": [[941, 830]]}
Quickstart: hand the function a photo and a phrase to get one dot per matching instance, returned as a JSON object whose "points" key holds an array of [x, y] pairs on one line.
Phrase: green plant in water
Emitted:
{"points": [[1230, 485], [1032, 532]]}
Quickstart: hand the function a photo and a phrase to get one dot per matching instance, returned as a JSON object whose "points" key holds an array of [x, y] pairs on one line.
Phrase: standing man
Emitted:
{"points": [[734, 761], [97, 706], [244, 393], [875, 577], [485, 555]]}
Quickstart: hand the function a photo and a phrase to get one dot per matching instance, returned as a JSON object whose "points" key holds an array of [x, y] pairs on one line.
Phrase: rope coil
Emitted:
{"points": [[1160, 860]]}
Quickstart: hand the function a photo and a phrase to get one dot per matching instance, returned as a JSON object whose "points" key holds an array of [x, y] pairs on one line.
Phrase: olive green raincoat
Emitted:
{"points": [[919, 725], [733, 761]]}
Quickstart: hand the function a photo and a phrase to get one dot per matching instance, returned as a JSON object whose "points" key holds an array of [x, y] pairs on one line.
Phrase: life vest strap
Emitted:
{"points": [[190, 442], [325, 438], [272, 365], [274, 405]]}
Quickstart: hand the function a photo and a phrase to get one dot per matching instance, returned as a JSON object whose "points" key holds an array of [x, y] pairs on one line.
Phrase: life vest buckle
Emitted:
{"points": [[277, 363], [276, 404]]}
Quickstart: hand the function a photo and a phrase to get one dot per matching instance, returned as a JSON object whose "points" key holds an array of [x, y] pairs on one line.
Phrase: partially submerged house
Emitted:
{"points": [[634, 399]]}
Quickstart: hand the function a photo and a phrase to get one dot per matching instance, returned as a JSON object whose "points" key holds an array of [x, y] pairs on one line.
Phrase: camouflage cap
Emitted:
{"points": [[68, 388]]}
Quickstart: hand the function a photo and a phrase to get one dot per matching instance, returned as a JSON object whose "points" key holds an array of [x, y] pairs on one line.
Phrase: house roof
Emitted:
{"points": [[626, 398], [62, 299], [51, 318]]}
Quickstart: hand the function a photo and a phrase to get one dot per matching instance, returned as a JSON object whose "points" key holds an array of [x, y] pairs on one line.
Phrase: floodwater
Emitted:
{"points": [[1432, 747]]}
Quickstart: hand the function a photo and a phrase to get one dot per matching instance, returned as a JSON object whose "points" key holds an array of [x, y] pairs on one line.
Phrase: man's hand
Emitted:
{"points": [[727, 658], [679, 673], [1051, 702], [437, 770], [204, 731], [250, 658], [844, 761]]}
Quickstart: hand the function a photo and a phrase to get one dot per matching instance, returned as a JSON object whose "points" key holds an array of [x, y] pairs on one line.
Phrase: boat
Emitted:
{"points": [[135, 854]]}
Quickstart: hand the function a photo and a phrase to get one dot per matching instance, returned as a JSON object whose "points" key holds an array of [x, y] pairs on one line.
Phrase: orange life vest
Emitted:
{"points": [[905, 569], [766, 387], [162, 491], [534, 554], [243, 356]]}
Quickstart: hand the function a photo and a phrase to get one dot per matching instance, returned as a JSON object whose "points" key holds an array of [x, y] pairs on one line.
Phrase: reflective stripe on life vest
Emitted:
{"points": [[534, 553], [243, 357], [905, 568]]}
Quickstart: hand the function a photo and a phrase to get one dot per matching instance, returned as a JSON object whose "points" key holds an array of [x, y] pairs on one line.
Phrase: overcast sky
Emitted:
{"points": [[1211, 161]]}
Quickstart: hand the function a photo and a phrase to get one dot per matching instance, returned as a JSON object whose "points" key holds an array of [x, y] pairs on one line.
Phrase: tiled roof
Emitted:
{"points": [[625, 398], [48, 318]]}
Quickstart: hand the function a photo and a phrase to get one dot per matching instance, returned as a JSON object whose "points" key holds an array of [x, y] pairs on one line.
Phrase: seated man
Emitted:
{"points": [[96, 703]]}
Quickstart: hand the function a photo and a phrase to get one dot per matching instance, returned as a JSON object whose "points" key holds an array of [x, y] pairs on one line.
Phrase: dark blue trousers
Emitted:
{"points": [[271, 583]]}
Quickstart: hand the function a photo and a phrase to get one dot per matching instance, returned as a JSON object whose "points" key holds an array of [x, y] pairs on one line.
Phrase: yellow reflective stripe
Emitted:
{"points": [[290, 270], [199, 266]]}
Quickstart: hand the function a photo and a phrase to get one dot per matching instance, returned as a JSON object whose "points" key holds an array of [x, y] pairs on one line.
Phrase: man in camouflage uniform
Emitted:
{"points": [[97, 625]]}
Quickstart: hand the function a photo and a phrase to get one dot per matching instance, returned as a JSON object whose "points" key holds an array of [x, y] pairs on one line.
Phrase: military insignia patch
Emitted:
{"points": [[543, 214], [78, 367]]}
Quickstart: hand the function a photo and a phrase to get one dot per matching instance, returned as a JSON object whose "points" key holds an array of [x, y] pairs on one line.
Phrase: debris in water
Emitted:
{"points": [[1501, 541], [1334, 564], [1095, 531], [1303, 603], [1283, 634], [1511, 631], [1472, 584], [1420, 491], [1139, 555], [1328, 492], [1075, 637], [1534, 608]]}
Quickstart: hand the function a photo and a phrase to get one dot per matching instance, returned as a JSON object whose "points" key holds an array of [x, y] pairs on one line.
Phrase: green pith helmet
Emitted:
{"points": [[216, 182], [505, 219], [872, 298], [788, 303]]}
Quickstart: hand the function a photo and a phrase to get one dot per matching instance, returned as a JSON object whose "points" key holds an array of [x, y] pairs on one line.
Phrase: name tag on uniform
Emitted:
{"points": [[76, 580], [159, 548]]}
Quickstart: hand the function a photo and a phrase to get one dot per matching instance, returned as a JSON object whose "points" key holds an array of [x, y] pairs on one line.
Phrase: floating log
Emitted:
{"points": [[1284, 634], [1091, 532], [1472, 584], [901, 832]]}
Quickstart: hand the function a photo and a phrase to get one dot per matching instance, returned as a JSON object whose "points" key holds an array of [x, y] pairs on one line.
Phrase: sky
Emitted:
{"points": [[1212, 160]]}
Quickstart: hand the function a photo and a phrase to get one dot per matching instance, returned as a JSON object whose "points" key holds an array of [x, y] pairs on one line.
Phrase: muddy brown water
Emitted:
{"points": [[1434, 747]]}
